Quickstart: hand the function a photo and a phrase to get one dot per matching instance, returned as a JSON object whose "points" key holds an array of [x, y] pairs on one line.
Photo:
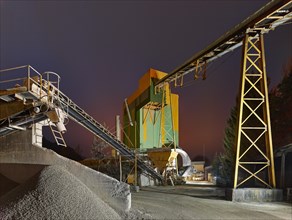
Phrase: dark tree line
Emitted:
{"points": [[223, 164]]}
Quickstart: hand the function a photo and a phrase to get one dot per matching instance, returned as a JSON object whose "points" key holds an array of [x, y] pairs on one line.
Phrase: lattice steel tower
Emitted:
{"points": [[254, 155]]}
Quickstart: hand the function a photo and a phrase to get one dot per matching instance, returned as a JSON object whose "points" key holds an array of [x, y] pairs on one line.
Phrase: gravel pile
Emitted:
{"points": [[54, 193]]}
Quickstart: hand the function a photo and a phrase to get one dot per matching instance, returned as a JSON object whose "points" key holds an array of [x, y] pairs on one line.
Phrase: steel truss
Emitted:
{"points": [[254, 153]]}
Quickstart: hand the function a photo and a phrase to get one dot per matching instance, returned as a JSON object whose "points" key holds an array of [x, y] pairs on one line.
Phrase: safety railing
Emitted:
{"points": [[26, 76]]}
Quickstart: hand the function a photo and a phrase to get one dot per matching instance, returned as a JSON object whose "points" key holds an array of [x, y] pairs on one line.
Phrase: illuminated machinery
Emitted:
{"points": [[31, 99], [27, 99], [254, 148], [151, 123]]}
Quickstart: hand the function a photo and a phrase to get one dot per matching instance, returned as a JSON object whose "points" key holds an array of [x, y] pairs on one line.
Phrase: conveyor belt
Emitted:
{"points": [[22, 123], [54, 98], [270, 16], [81, 117]]}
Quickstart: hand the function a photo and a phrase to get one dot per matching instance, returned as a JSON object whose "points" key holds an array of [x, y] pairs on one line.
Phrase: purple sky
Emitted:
{"points": [[102, 48]]}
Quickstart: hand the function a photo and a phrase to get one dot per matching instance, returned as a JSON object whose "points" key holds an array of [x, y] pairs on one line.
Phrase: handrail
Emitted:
{"points": [[13, 68]]}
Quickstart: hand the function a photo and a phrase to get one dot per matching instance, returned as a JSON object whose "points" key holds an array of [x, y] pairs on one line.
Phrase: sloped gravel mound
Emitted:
{"points": [[54, 193]]}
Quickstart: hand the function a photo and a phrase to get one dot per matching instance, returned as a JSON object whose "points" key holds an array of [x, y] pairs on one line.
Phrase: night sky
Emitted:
{"points": [[102, 48]]}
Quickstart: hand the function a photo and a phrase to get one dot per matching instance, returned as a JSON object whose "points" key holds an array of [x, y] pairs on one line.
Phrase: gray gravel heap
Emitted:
{"points": [[54, 193]]}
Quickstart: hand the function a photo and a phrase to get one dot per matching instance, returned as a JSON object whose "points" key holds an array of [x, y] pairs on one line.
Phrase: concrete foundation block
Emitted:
{"points": [[254, 195]]}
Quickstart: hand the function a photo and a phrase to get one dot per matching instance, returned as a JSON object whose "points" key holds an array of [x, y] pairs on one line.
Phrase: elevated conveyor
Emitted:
{"points": [[270, 16], [38, 92], [81, 117]]}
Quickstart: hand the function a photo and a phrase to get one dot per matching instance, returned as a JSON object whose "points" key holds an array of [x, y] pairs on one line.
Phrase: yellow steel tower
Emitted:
{"points": [[254, 139]]}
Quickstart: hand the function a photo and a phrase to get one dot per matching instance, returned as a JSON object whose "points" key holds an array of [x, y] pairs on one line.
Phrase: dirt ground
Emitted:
{"points": [[202, 202]]}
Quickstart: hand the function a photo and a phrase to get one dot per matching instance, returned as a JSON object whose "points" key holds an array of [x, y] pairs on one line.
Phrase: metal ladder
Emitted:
{"points": [[58, 136]]}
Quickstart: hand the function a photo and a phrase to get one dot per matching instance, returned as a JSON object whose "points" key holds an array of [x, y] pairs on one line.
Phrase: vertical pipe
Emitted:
{"points": [[28, 78], [135, 153], [118, 133], [118, 127], [162, 118], [128, 111]]}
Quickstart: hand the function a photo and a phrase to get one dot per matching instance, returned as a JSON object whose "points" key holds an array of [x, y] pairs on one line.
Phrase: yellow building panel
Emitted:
{"points": [[175, 112], [145, 111], [145, 82], [156, 74]]}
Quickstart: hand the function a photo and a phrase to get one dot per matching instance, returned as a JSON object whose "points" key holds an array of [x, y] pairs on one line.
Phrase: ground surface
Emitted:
{"points": [[54, 193], [197, 202]]}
